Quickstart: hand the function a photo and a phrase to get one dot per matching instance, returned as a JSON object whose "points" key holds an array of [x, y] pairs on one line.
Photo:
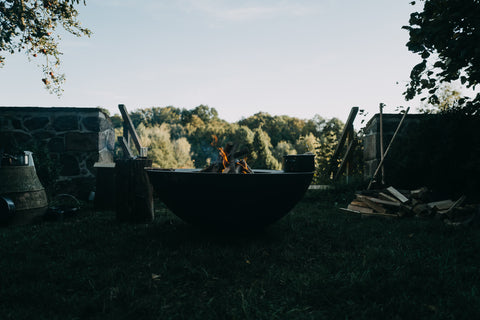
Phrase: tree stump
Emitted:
{"points": [[133, 192]]}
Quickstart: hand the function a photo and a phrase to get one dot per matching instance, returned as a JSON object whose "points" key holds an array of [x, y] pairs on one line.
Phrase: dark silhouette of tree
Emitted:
{"points": [[446, 36]]}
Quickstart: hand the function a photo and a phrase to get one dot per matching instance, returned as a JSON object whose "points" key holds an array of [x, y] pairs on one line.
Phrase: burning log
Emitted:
{"points": [[228, 160]]}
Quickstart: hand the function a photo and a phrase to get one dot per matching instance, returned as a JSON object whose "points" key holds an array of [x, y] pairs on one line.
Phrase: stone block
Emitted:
{"points": [[35, 123], [65, 123], [43, 135], [16, 124], [21, 138], [76, 141], [91, 123], [56, 144], [6, 142]]}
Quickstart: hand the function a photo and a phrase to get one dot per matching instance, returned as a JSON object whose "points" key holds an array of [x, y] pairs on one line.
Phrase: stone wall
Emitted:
{"points": [[75, 139], [371, 141]]}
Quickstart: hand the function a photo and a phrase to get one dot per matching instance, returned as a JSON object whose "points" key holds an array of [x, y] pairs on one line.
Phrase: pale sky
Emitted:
{"points": [[284, 57]]}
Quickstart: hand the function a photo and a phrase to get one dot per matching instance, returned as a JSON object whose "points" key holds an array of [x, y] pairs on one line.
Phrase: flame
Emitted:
{"points": [[214, 141], [243, 164], [224, 158]]}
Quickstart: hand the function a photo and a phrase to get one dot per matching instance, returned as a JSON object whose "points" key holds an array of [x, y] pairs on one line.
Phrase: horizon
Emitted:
{"points": [[294, 58]]}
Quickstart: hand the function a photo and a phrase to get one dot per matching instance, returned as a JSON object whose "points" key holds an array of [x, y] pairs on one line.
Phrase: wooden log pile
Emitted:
{"points": [[393, 203]]}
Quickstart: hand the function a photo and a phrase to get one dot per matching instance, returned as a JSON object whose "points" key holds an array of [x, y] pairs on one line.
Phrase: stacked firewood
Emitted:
{"points": [[394, 203]]}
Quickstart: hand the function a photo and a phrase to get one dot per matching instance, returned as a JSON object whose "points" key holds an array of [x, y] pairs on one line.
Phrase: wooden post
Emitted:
{"points": [[134, 193], [381, 143]]}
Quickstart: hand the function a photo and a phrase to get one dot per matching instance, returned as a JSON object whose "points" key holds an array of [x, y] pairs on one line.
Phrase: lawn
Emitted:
{"points": [[316, 263]]}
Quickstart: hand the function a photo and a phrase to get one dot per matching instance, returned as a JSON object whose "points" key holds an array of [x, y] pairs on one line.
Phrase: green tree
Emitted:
{"points": [[160, 147], [445, 34], [308, 143], [283, 148], [262, 156], [328, 140], [30, 26], [447, 100], [181, 149]]}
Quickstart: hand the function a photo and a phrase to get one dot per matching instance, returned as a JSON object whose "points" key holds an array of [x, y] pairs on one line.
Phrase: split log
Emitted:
{"points": [[385, 196], [375, 206], [359, 209], [397, 194], [380, 201], [440, 205]]}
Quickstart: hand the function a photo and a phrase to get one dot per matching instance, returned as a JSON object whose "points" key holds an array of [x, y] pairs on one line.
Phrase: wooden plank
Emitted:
{"points": [[457, 203], [377, 214], [375, 206], [344, 160], [381, 201], [359, 204], [343, 137], [360, 209], [131, 128], [387, 197], [397, 194], [349, 210], [125, 148]]}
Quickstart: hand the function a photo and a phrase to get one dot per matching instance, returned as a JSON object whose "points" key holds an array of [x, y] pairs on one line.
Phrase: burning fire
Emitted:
{"points": [[227, 162]]}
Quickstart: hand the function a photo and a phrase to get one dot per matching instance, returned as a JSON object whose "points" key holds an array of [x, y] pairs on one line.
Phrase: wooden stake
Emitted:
{"points": [[381, 143], [388, 148]]}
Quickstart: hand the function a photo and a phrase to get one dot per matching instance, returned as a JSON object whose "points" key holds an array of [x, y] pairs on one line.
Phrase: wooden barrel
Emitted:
{"points": [[21, 185]]}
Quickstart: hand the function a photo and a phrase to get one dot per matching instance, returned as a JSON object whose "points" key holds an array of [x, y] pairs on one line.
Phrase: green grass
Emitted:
{"points": [[315, 263]]}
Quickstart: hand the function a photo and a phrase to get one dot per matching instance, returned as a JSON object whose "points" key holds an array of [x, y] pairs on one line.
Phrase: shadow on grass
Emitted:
{"points": [[314, 263]]}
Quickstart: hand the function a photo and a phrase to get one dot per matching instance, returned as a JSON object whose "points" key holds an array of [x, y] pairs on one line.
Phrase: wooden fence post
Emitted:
{"points": [[133, 191]]}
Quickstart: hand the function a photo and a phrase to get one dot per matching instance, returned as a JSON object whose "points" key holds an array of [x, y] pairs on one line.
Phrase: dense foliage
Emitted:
{"points": [[30, 26], [445, 34], [183, 138]]}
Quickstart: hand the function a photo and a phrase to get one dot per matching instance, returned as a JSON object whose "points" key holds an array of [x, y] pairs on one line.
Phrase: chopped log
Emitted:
{"points": [[349, 210], [375, 206], [388, 198], [359, 204], [378, 214], [419, 193], [421, 209], [360, 209], [382, 202], [134, 193], [457, 203], [397, 194], [440, 205]]}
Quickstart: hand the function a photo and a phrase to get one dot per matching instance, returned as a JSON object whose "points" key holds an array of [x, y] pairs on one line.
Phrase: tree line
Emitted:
{"points": [[182, 138]]}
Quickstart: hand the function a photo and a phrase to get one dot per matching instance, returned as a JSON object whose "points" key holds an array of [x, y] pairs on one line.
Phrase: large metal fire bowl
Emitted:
{"points": [[229, 201]]}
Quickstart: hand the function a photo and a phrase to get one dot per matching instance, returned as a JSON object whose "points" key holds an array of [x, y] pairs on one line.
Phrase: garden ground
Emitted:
{"points": [[317, 262]]}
